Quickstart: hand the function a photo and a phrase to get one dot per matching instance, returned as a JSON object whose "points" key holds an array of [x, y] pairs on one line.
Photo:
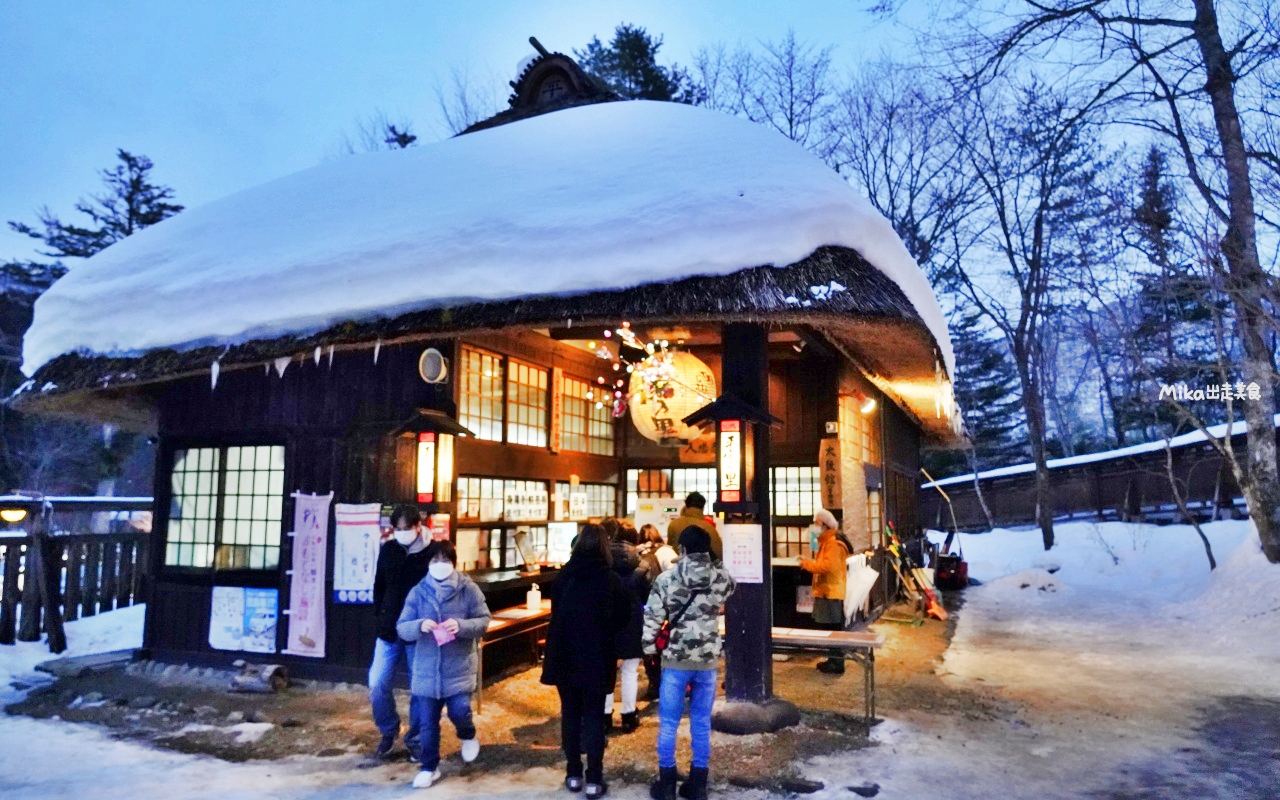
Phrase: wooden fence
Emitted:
{"points": [[1132, 488], [93, 572]]}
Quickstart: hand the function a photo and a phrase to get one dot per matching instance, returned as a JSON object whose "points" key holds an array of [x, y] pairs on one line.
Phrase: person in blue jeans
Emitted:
{"points": [[688, 597], [402, 563], [443, 616]]}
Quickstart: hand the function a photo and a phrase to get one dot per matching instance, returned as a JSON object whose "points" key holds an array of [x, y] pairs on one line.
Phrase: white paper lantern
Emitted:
{"points": [[664, 390]]}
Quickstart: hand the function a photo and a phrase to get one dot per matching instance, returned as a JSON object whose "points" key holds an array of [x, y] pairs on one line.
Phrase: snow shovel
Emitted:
{"points": [[932, 607]]}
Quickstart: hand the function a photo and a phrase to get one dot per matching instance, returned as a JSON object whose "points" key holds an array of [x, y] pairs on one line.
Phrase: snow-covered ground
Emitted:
{"points": [[101, 633], [1121, 667], [1123, 657]]}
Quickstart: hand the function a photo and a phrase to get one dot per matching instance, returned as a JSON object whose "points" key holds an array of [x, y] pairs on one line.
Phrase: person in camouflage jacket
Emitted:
{"points": [[698, 584]]}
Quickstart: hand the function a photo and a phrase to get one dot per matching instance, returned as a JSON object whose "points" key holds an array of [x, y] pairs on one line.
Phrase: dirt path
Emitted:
{"points": [[519, 726]]}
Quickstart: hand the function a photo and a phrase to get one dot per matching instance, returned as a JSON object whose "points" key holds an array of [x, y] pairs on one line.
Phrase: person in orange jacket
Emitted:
{"points": [[828, 569]]}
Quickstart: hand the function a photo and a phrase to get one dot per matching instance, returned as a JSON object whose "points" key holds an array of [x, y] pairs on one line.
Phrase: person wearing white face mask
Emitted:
{"points": [[443, 615], [402, 563]]}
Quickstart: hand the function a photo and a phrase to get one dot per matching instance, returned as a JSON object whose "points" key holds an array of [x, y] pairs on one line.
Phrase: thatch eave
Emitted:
{"points": [[834, 290]]}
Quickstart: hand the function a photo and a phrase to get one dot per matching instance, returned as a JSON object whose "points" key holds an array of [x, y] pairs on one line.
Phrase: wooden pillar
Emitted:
{"points": [[749, 612], [749, 705]]}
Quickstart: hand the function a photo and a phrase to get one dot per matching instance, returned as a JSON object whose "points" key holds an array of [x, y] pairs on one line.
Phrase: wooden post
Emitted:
{"points": [[107, 590], [29, 624], [9, 594], [92, 563], [75, 565], [749, 612], [750, 706], [51, 584], [124, 584]]}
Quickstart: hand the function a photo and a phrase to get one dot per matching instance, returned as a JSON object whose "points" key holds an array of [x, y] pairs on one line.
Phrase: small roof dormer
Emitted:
{"points": [[547, 82]]}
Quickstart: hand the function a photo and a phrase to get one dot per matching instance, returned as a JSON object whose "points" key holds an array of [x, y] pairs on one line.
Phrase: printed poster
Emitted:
{"points": [[657, 511], [243, 619], [743, 552], [306, 588], [357, 535]]}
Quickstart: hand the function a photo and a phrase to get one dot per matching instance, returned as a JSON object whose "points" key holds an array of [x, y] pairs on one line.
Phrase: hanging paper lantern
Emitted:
{"points": [[665, 388]]}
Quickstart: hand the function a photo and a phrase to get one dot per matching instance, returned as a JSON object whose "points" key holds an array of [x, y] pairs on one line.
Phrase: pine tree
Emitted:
{"points": [[986, 388], [629, 65], [56, 455], [130, 204], [1173, 339]]}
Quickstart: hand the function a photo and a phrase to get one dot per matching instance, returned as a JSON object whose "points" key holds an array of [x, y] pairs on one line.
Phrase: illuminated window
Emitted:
{"points": [[874, 524], [790, 541], [797, 491], [480, 398], [526, 405], [483, 500], [227, 508], [676, 483], [601, 500], [585, 428], [865, 435]]}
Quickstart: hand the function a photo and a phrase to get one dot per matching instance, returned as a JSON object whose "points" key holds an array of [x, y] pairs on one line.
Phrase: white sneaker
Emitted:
{"points": [[470, 749], [425, 779]]}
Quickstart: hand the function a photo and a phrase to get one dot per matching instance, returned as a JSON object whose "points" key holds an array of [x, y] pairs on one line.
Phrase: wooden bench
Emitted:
{"points": [[506, 624], [859, 646]]}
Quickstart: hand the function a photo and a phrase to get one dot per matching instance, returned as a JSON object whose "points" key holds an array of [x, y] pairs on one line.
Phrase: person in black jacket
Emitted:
{"points": [[626, 562], [588, 608], [402, 563]]}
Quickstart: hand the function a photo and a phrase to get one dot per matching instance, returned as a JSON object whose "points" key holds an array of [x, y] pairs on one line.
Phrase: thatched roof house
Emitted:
{"points": [[602, 210], [337, 331]]}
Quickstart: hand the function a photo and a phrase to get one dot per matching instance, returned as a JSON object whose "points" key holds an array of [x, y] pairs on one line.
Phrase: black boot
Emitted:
{"points": [[832, 666], [608, 724], [630, 722], [695, 788], [664, 788]]}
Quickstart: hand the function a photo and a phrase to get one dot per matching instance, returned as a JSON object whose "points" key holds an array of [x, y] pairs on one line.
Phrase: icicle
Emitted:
{"points": [[266, 368], [330, 356], [282, 363], [377, 348], [214, 369], [317, 355]]}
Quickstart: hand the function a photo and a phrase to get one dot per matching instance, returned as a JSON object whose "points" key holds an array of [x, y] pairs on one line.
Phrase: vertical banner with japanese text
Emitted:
{"points": [[306, 589], [829, 473]]}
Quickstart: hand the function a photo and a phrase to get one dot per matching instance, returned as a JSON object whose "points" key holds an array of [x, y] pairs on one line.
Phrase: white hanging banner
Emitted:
{"points": [[306, 589], [357, 535]]}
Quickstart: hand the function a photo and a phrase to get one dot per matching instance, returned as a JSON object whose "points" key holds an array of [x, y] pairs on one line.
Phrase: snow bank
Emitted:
{"points": [[102, 633], [597, 197]]}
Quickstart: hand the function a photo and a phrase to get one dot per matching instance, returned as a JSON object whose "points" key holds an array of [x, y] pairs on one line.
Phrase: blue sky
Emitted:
{"points": [[227, 95]]}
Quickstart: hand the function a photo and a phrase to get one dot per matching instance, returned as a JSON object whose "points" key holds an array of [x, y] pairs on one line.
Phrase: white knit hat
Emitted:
{"points": [[826, 519]]}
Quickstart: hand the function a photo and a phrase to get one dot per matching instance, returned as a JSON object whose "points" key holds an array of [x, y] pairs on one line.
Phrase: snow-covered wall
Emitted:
{"points": [[604, 196]]}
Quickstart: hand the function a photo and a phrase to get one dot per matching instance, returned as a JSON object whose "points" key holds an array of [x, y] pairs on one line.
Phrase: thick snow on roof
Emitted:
{"points": [[604, 196], [1237, 428]]}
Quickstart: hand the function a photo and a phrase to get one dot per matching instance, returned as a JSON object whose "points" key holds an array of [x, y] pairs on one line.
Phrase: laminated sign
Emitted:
{"points": [[243, 619], [357, 536], [743, 552], [306, 589]]}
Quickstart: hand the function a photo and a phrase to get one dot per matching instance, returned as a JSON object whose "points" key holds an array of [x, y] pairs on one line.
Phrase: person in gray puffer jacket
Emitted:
{"points": [[688, 597], [443, 615]]}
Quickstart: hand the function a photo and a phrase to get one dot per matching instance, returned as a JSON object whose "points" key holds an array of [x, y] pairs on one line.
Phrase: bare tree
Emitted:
{"points": [[786, 85], [1183, 76], [1030, 154], [891, 132], [378, 131], [464, 101]]}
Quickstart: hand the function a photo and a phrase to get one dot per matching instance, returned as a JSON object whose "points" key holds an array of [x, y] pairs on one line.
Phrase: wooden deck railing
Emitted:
{"points": [[91, 572]]}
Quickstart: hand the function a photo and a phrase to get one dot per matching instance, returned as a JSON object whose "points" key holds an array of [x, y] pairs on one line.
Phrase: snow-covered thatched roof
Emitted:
{"points": [[596, 198]]}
